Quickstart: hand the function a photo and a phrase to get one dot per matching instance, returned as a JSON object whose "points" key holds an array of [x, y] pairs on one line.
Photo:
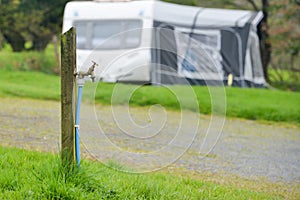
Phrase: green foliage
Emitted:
{"points": [[285, 37], [285, 79], [30, 20], [29, 60], [33, 175], [10, 25]]}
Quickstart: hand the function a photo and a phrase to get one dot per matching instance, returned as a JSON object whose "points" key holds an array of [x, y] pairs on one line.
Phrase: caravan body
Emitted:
{"points": [[163, 43]]}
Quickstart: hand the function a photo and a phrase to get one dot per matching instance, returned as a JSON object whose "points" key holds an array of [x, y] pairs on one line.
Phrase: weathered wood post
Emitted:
{"points": [[68, 90]]}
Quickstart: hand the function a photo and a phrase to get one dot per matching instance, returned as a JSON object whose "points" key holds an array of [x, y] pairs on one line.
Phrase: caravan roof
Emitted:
{"points": [[161, 11], [206, 16]]}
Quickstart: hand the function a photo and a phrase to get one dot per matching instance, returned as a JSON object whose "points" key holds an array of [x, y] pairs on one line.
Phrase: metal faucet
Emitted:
{"points": [[90, 73]]}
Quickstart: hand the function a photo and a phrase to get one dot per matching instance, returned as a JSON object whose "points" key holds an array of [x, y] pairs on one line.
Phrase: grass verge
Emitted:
{"points": [[28, 84], [34, 175], [255, 104]]}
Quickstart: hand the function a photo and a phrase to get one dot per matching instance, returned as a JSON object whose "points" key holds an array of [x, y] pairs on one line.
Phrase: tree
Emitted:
{"points": [[10, 27], [45, 19], [266, 48], [30, 20], [285, 39], [285, 32]]}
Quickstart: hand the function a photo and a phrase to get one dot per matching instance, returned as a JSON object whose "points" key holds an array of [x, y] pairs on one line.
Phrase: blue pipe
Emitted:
{"points": [[77, 115]]}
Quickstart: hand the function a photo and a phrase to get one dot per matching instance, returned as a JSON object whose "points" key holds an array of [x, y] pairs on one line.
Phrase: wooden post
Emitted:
{"points": [[68, 90]]}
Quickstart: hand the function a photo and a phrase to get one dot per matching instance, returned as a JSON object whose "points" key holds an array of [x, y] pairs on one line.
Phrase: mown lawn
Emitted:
{"points": [[34, 175], [256, 104]]}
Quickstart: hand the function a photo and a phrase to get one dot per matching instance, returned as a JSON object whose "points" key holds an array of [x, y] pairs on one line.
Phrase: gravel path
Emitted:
{"points": [[151, 138]]}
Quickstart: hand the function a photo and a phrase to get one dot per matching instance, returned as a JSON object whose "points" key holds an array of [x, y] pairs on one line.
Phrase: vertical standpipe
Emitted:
{"points": [[80, 83]]}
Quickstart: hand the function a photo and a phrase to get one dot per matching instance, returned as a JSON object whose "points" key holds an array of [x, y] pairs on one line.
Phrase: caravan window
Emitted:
{"points": [[96, 34], [211, 41], [132, 37], [103, 30]]}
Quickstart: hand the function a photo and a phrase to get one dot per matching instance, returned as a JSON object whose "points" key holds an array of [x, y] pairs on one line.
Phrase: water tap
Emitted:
{"points": [[90, 73]]}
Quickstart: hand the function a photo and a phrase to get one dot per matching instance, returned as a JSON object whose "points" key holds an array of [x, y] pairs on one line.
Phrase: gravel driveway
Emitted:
{"points": [[151, 138]]}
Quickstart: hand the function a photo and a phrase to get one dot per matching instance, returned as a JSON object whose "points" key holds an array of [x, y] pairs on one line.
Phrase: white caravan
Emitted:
{"points": [[154, 42]]}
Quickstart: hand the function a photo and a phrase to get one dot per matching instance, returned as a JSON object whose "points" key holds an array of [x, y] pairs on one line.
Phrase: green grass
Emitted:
{"points": [[29, 84], [256, 104], [34, 175], [267, 105]]}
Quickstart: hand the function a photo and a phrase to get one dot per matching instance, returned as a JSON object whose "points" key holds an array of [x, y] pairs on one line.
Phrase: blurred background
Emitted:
{"points": [[30, 34]]}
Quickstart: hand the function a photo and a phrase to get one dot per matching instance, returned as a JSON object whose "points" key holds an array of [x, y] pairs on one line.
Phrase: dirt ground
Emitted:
{"points": [[152, 138]]}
